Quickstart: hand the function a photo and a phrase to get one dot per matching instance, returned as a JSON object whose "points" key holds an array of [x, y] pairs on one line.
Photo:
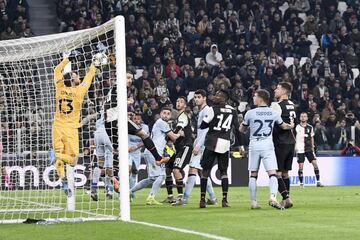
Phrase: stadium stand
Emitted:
{"points": [[236, 45]]}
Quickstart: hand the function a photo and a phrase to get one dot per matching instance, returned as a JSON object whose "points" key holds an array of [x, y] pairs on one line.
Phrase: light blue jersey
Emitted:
{"points": [[201, 133], [135, 140], [100, 122], [261, 122], [158, 135]]}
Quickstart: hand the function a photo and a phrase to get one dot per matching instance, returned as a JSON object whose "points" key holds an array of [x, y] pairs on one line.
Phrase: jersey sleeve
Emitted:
{"points": [[246, 121], [58, 72], [276, 106], [312, 131], [209, 115], [86, 83], [164, 127], [183, 121], [278, 119]]}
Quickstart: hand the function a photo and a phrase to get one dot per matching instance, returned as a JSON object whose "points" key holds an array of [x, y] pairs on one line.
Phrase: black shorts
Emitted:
{"points": [[209, 157], [133, 128], [284, 155], [181, 158], [309, 155]]}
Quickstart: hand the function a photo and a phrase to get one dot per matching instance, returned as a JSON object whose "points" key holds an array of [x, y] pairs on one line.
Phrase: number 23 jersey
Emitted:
{"points": [[221, 119], [261, 121]]}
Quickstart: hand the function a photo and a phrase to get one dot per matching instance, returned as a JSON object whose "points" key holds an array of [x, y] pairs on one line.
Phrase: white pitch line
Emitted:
{"points": [[206, 235]]}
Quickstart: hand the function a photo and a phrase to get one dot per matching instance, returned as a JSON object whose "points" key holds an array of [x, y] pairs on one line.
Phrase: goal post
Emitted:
{"points": [[29, 184]]}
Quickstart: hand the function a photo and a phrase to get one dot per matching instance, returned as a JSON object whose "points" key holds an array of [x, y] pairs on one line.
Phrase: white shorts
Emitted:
{"points": [[135, 157], [196, 159], [104, 149], [266, 156], [153, 169]]}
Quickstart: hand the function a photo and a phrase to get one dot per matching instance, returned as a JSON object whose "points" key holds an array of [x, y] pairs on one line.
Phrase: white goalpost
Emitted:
{"points": [[29, 185]]}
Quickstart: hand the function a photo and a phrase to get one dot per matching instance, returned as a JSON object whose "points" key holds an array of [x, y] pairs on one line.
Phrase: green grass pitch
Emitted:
{"points": [[318, 213]]}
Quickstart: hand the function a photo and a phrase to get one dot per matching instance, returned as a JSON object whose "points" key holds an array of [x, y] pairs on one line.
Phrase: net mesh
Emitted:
{"points": [[30, 187]]}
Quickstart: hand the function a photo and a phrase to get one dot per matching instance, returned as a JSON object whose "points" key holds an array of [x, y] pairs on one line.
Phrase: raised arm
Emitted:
{"points": [[58, 78], [86, 83]]}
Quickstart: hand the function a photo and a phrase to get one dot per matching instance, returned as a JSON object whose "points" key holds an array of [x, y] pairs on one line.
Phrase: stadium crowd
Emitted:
{"points": [[177, 47], [14, 19]]}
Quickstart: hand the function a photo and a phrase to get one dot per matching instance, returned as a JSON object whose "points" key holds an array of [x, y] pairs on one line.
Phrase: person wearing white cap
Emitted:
{"points": [[214, 57]]}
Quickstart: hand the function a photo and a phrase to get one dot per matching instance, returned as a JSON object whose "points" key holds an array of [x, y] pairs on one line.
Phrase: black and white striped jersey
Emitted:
{"points": [[304, 134]]}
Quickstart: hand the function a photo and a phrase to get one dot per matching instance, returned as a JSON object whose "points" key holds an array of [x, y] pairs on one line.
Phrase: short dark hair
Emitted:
{"points": [[264, 95], [166, 109], [287, 86], [184, 98], [201, 92], [224, 93]]}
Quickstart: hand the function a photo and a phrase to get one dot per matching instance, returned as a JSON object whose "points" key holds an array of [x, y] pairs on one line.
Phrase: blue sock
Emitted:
{"points": [[156, 185], [189, 185], [142, 184], [108, 184], [210, 189], [132, 180]]}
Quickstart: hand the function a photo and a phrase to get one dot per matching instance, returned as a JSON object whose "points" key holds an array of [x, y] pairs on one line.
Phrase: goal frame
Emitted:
{"points": [[124, 200]]}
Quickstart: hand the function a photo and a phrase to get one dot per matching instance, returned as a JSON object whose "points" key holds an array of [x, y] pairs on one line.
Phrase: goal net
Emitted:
{"points": [[30, 187]]}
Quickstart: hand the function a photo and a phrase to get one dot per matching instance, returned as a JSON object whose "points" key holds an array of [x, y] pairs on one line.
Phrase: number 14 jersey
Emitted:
{"points": [[221, 119], [261, 122]]}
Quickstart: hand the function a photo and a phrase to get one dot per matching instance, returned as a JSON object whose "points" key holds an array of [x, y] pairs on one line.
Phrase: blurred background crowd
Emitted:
{"points": [[177, 46]]}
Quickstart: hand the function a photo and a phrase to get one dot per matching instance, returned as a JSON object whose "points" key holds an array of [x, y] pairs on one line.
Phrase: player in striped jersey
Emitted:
{"points": [[198, 149], [305, 148]]}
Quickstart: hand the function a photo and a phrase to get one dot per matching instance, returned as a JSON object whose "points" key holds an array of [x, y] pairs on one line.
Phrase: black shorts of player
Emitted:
{"points": [[209, 157], [284, 155], [133, 128], [181, 158], [309, 155]]}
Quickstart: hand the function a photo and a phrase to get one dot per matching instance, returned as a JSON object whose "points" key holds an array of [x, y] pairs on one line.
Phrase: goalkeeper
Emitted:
{"points": [[70, 93]]}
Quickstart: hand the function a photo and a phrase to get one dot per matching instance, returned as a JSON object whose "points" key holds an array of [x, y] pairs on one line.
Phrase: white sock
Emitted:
{"points": [[252, 188], [273, 186]]}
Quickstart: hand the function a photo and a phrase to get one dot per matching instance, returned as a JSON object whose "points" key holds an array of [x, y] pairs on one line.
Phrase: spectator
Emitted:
{"points": [[341, 135], [351, 149], [214, 57]]}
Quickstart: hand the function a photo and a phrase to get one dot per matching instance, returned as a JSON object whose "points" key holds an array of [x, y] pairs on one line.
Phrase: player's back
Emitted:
{"points": [[159, 133], [223, 118], [134, 140], [286, 108], [261, 122]]}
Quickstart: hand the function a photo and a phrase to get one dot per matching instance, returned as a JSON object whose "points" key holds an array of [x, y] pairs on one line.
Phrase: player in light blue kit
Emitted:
{"points": [[156, 174], [135, 146], [261, 122], [104, 154], [198, 149]]}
